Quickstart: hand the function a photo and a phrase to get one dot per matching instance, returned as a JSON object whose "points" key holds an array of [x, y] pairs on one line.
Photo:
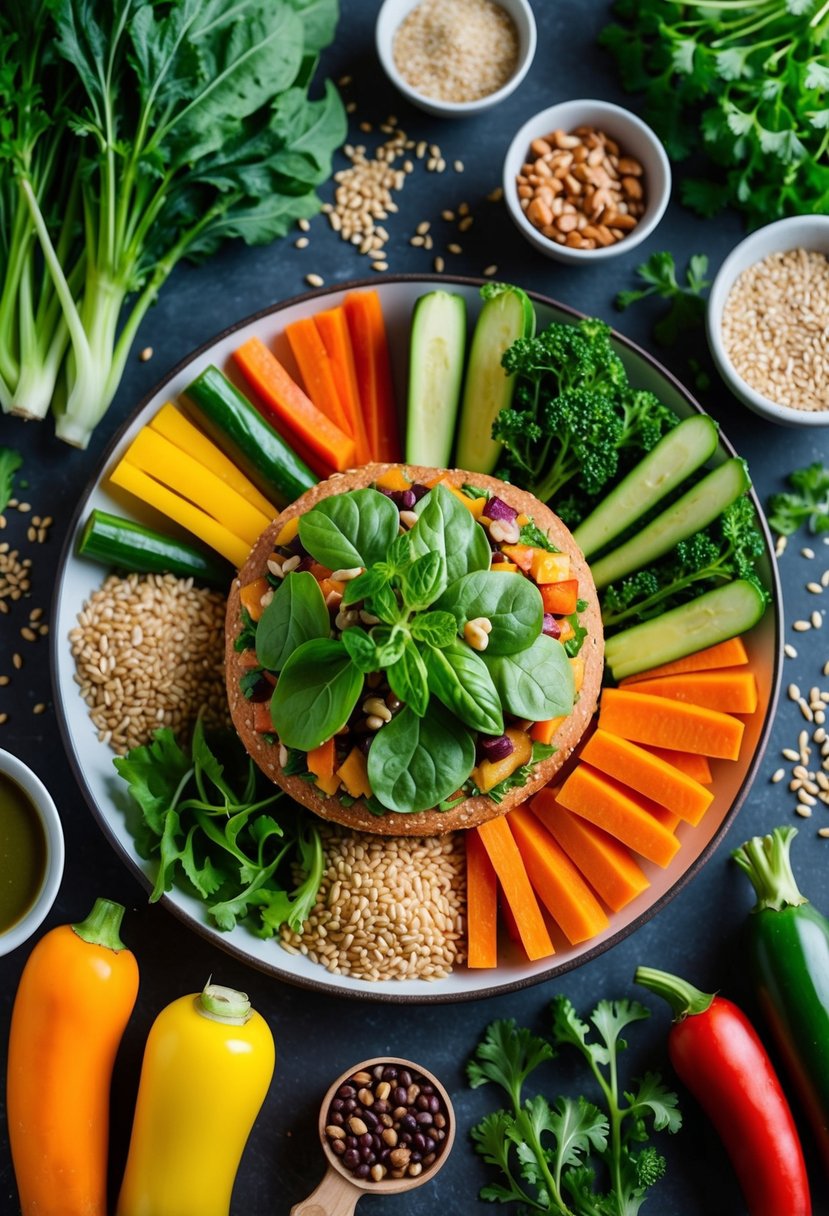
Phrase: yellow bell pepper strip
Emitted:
{"points": [[72, 1005], [208, 1062]]}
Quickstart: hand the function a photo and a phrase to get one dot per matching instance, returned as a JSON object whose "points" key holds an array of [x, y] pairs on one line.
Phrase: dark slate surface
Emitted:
{"points": [[318, 1035]]}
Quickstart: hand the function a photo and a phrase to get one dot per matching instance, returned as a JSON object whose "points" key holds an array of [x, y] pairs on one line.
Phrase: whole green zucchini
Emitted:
{"points": [[126, 545], [251, 442], [788, 948]]}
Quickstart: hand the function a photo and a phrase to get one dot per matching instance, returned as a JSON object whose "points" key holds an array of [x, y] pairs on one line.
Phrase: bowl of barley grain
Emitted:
{"points": [[768, 321]]}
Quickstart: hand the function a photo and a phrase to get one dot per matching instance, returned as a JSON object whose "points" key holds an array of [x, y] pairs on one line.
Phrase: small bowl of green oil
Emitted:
{"points": [[31, 852]]}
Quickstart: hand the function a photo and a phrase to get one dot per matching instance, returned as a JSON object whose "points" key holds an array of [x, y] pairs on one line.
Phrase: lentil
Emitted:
{"points": [[411, 923], [394, 1135], [774, 328], [174, 669]]}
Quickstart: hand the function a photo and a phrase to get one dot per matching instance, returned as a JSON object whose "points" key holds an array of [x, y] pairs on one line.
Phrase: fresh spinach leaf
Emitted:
{"points": [[415, 763], [536, 683], [408, 679], [510, 601], [316, 693], [296, 614], [423, 581], [436, 628], [460, 679], [446, 526], [348, 530]]}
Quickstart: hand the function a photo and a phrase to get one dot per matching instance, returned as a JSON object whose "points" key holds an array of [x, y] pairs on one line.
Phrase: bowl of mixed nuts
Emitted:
{"points": [[586, 180]]}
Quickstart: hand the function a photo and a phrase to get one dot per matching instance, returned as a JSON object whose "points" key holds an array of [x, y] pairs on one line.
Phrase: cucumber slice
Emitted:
{"points": [[507, 314], [436, 353], [712, 617], [677, 455], [690, 513], [126, 545]]}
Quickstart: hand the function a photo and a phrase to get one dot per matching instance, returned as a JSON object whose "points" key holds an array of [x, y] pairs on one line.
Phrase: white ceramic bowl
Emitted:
{"points": [[798, 232], [389, 18], [634, 137], [47, 812]]}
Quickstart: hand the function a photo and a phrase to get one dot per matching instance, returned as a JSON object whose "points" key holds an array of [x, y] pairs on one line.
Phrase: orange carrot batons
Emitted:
{"points": [[333, 329], [657, 720], [481, 905], [620, 811], [367, 328], [506, 860], [647, 774]]}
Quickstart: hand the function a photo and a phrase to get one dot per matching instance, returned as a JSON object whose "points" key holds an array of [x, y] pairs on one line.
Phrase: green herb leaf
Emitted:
{"points": [[536, 683], [446, 527], [361, 648], [532, 535], [687, 305], [436, 628], [459, 678], [316, 694], [415, 763], [366, 584], [10, 462], [423, 581], [296, 614], [510, 602], [348, 530], [806, 503], [408, 679]]}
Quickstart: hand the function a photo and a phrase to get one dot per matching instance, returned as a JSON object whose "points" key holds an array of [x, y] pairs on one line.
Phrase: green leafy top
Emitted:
{"points": [[420, 588], [807, 502], [549, 1153], [203, 821], [687, 304], [10, 462]]}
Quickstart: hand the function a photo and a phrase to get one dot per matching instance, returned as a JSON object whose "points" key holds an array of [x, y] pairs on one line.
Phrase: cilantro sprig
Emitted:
{"points": [[687, 304], [571, 1157], [205, 825], [807, 502]]}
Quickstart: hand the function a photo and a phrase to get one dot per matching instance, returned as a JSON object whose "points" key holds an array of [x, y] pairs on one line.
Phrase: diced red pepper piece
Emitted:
{"points": [[560, 598]]}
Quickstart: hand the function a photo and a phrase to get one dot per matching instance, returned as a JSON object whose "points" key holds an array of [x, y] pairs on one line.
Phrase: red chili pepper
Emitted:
{"points": [[718, 1055]]}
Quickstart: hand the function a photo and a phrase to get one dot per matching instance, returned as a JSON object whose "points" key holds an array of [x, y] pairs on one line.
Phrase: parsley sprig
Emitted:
{"points": [[548, 1153], [807, 502], [205, 824], [687, 304]]}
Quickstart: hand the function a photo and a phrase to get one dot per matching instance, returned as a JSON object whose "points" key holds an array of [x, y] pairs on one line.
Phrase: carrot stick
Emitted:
{"points": [[692, 764], [289, 408], [620, 811], [315, 368], [367, 328], [481, 905], [731, 653], [688, 728], [333, 329], [499, 843], [647, 774], [555, 879], [729, 689], [606, 864]]}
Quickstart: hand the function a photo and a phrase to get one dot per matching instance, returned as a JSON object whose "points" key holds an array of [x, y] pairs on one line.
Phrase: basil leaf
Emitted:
{"points": [[436, 628], [389, 643], [296, 614], [361, 648], [408, 679], [460, 679], [415, 763], [510, 601], [365, 584], [347, 530], [536, 683], [400, 552], [423, 581], [316, 694], [383, 604], [446, 526]]}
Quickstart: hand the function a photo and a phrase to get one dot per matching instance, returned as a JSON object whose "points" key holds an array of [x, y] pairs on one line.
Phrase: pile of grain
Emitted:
{"points": [[456, 52], [775, 328], [149, 653], [388, 908]]}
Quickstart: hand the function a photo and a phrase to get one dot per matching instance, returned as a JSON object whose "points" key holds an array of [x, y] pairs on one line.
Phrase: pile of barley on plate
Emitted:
{"points": [[149, 652], [458, 51], [775, 328], [388, 907]]}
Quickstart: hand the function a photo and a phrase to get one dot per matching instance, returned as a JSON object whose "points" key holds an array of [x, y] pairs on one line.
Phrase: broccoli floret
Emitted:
{"points": [[726, 550], [575, 421]]}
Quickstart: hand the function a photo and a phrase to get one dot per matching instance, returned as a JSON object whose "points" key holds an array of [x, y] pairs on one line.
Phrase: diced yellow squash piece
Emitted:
{"points": [[577, 663], [159, 458], [353, 772], [394, 479], [250, 597], [523, 520], [202, 525], [550, 567], [288, 532], [505, 567], [328, 785], [173, 425], [490, 772]]}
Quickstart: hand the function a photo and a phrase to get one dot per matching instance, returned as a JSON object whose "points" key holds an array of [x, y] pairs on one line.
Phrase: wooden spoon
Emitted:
{"points": [[339, 1191]]}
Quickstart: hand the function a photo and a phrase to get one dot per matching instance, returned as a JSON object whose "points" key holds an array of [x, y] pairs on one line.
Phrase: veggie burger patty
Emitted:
{"points": [[412, 651]]}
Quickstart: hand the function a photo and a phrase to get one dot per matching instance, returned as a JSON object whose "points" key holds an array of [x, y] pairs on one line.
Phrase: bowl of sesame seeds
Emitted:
{"points": [[767, 321], [458, 59]]}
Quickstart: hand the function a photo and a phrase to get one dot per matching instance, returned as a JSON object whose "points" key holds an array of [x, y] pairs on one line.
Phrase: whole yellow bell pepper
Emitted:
{"points": [[208, 1062]]}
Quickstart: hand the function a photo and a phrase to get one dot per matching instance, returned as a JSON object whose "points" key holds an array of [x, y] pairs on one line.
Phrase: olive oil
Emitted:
{"points": [[22, 853]]}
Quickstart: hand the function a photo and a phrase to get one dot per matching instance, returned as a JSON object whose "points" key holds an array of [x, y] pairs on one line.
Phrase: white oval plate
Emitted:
{"points": [[107, 795]]}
